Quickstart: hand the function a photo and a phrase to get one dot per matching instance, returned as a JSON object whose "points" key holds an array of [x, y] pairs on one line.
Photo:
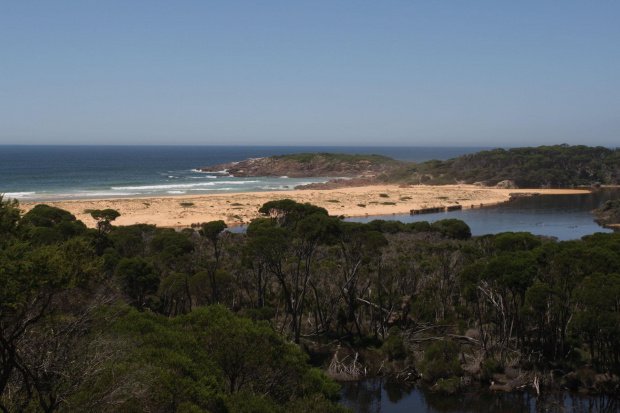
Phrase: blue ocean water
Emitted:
{"points": [[47, 173]]}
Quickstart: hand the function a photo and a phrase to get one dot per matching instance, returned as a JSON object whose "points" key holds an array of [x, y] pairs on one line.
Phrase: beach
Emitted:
{"points": [[240, 208]]}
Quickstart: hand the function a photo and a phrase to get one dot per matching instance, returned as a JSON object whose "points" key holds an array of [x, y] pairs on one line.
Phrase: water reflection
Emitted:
{"points": [[381, 396], [563, 216]]}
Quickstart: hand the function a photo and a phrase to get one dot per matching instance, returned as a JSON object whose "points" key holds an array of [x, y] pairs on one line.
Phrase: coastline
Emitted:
{"points": [[240, 208]]}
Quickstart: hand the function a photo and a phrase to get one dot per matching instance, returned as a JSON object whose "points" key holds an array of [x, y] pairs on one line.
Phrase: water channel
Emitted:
{"points": [[381, 396], [563, 216]]}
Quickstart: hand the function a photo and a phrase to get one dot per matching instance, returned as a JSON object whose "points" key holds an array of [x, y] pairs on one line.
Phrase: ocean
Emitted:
{"points": [[51, 173]]}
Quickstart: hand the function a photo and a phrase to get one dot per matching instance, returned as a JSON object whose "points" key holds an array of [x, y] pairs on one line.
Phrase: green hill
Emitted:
{"points": [[540, 167]]}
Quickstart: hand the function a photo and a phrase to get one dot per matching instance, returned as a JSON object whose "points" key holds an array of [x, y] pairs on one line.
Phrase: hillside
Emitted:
{"points": [[310, 165], [540, 167]]}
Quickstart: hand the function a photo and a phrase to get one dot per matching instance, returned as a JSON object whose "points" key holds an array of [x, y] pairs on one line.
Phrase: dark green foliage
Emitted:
{"points": [[169, 246], [488, 368], [544, 166], [338, 157], [131, 240], [394, 345], [516, 241], [441, 361], [452, 228], [390, 227], [287, 213], [211, 230], [46, 225], [9, 215], [421, 226], [104, 218], [212, 360], [46, 216], [138, 279]]}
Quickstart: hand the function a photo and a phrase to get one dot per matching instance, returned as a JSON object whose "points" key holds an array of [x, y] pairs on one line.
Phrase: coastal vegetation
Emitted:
{"points": [[557, 166], [609, 213], [528, 167], [145, 318]]}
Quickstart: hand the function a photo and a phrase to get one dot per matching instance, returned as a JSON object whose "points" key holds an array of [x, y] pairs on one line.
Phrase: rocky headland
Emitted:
{"points": [[310, 165]]}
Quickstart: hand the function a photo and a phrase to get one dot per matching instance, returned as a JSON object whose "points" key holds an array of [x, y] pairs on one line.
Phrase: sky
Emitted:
{"points": [[402, 73]]}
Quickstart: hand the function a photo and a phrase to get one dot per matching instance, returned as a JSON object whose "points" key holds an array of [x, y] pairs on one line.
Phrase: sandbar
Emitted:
{"points": [[241, 208]]}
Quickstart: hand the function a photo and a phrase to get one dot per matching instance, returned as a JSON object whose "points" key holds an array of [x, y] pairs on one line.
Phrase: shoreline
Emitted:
{"points": [[240, 208]]}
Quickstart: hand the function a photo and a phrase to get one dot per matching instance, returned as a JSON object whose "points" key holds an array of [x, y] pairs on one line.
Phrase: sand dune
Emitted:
{"points": [[240, 208]]}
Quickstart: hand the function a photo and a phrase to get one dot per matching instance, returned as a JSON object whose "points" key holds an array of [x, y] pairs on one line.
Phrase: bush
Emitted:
{"points": [[448, 386], [489, 368], [441, 361], [394, 345], [452, 228]]}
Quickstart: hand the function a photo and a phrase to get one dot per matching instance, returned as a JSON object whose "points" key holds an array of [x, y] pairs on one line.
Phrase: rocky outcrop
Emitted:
{"points": [[506, 184], [310, 165]]}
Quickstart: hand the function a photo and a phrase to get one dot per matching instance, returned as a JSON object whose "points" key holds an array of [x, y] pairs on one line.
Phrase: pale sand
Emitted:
{"points": [[241, 208]]}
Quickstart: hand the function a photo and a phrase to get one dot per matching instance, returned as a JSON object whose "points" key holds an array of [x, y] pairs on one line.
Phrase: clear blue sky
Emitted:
{"points": [[421, 73]]}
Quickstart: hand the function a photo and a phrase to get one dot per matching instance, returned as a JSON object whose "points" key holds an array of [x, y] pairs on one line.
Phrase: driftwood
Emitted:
{"points": [[344, 370]]}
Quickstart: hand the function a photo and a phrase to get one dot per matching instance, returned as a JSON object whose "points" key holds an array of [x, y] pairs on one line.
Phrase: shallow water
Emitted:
{"points": [[374, 396], [563, 216]]}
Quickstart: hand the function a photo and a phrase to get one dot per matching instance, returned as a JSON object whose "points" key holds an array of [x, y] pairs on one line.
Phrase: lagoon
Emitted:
{"points": [[565, 217]]}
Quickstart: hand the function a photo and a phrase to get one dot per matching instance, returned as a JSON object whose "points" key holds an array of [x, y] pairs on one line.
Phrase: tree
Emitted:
{"points": [[212, 231], [9, 215], [139, 280], [104, 218]]}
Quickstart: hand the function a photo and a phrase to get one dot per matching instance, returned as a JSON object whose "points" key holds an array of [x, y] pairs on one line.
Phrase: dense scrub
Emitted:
{"points": [[338, 157], [608, 214], [541, 167], [140, 317]]}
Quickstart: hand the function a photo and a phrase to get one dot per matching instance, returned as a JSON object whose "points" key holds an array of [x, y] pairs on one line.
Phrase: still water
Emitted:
{"points": [[563, 216], [374, 396]]}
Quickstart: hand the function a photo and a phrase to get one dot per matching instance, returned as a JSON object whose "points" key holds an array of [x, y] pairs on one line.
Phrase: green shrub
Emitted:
{"points": [[441, 361], [452, 228], [448, 386], [394, 345], [489, 368]]}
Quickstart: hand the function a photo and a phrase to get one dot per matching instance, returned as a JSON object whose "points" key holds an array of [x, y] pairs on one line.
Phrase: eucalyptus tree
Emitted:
{"points": [[285, 244]]}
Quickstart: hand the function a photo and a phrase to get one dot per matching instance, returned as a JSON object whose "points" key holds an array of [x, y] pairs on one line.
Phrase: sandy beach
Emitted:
{"points": [[241, 208]]}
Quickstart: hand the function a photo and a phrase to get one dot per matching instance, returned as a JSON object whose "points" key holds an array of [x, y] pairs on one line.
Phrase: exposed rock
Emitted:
{"points": [[507, 184]]}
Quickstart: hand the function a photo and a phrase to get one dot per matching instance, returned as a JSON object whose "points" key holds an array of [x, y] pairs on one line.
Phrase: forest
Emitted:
{"points": [[557, 166], [136, 318]]}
